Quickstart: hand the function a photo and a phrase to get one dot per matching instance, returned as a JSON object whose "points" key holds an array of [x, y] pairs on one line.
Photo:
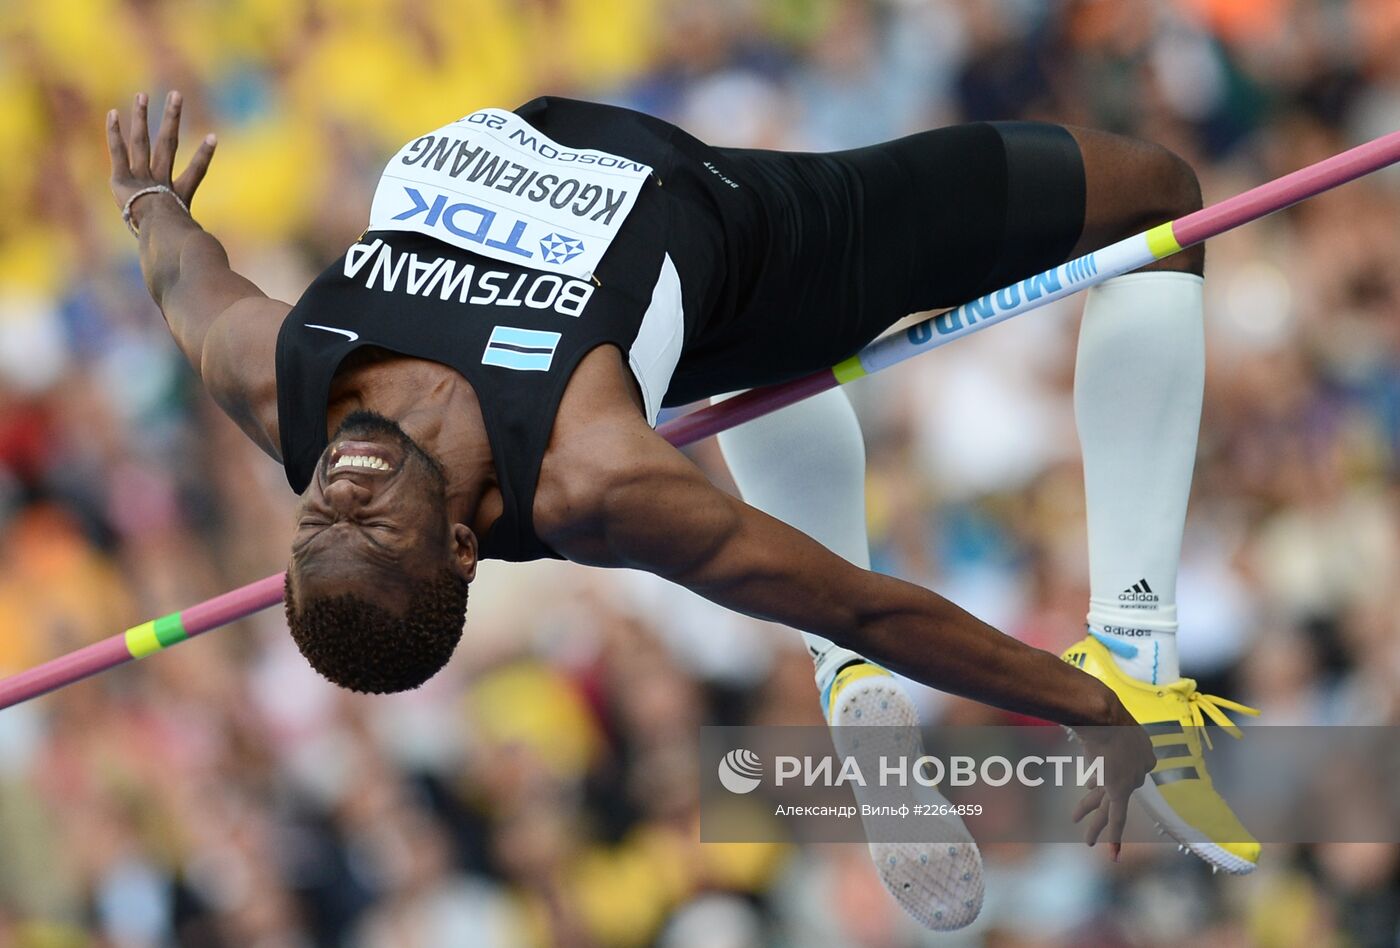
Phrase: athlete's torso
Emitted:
{"points": [[516, 331]]}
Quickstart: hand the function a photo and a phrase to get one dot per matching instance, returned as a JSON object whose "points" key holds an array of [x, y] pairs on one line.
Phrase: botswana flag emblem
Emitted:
{"points": [[525, 350]]}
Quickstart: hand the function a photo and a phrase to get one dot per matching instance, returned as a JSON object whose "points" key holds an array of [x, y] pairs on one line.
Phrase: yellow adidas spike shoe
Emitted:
{"points": [[937, 881], [1180, 796]]}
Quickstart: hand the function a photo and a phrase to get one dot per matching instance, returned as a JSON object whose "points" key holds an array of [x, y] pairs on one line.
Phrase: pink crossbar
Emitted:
{"points": [[1191, 229]]}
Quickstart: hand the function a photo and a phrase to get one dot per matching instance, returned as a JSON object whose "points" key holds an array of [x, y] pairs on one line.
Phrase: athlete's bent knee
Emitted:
{"points": [[1171, 190], [1174, 183], [1135, 185]]}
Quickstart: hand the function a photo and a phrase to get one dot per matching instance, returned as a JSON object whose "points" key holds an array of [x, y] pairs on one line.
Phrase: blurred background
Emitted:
{"points": [[542, 790]]}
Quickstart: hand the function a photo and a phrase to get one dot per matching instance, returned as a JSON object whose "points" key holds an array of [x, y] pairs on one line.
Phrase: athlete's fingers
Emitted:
{"points": [[1117, 820], [1096, 825], [140, 136], [1089, 804], [198, 168], [167, 140], [116, 148]]}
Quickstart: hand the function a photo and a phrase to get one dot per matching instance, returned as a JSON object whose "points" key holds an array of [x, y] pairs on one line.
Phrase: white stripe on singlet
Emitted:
{"points": [[657, 348]]}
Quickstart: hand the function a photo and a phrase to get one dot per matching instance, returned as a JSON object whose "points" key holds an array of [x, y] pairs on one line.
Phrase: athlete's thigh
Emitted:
{"points": [[971, 208], [851, 242], [863, 238]]}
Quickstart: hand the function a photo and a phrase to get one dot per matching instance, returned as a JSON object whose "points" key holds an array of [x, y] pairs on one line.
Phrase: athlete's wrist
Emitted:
{"points": [[1087, 702], [154, 205], [1103, 707]]}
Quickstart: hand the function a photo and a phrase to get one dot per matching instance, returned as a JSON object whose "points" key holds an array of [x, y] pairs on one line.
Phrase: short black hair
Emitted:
{"points": [[362, 646]]}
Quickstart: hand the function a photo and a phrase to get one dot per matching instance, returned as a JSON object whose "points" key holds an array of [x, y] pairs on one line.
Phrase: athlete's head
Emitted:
{"points": [[377, 585]]}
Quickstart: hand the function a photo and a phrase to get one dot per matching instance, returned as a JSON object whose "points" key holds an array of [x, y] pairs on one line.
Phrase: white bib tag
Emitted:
{"points": [[490, 183]]}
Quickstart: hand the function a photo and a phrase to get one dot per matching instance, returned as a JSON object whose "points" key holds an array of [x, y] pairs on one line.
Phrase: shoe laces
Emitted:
{"points": [[1201, 706]]}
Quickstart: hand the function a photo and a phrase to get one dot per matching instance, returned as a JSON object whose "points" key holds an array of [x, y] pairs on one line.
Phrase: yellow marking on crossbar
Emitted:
{"points": [[848, 370], [141, 639], [1162, 241]]}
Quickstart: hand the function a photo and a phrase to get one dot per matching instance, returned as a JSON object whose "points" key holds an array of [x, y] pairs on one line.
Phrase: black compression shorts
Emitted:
{"points": [[851, 242]]}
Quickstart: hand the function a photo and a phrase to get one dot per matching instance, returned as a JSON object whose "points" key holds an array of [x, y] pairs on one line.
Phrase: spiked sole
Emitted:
{"points": [[1188, 838], [938, 882]]}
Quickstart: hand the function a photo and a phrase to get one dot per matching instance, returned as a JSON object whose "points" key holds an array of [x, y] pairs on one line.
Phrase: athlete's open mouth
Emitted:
{"points": [[363, 457]]}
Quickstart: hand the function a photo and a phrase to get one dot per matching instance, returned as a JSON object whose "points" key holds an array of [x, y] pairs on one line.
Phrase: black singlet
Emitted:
{"points": [[735, 268], [515, 333]]}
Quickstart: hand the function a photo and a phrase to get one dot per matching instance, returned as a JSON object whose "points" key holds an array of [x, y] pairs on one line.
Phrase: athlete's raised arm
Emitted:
{"points": [[660, 514], [225, 326]]}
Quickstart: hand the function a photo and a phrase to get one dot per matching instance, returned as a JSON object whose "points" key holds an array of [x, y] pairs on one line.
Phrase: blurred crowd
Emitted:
{"points": [[543, 790]]}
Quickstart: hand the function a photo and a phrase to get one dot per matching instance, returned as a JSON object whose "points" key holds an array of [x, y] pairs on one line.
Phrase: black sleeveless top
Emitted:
{"points": [[516, 334]]}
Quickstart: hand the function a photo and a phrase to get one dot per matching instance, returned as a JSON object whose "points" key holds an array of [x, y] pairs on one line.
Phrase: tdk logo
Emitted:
{"points": [[468, 221], [560, 248]]}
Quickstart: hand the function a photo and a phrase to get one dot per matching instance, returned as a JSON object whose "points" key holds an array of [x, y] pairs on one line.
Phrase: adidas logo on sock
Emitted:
{"points": [[1138, 592], [1125, 632]]}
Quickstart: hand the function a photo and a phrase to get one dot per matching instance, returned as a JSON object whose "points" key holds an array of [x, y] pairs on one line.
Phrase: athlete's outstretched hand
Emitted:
{"points": [[1127, 760], [140, 166]]}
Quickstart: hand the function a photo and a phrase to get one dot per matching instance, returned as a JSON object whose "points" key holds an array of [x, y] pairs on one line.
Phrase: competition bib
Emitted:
{"points": [[490, 183]]}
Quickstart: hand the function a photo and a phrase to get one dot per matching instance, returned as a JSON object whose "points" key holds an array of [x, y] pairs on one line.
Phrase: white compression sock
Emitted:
{"points": [[1137, 401], [805, 466]]}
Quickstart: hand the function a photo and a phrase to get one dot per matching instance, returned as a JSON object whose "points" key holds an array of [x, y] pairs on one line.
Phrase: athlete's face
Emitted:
{"points": [[374, 518]]}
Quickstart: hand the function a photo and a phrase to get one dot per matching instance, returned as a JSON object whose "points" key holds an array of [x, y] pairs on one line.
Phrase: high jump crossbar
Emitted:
{"points": [[1028, 294]]}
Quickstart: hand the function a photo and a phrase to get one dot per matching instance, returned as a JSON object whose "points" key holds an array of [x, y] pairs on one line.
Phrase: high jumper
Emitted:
{"points": [[478, 376]]}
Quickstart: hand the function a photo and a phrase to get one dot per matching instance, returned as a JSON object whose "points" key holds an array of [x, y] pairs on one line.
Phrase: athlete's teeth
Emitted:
{"points": [[361, 460]]}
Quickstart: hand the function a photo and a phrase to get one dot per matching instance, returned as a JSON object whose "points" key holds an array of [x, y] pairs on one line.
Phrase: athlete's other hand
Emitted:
{"points": [[1127, 760], [139, 166]]}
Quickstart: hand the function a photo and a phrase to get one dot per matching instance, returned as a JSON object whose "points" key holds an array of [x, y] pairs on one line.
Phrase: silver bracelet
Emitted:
{"points": [[153, 189]]}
